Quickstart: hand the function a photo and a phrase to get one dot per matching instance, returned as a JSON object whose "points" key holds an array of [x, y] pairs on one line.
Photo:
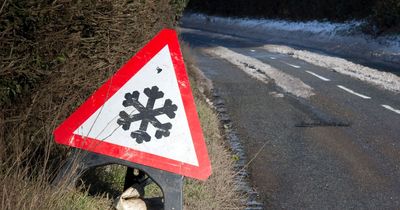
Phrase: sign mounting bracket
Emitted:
{"points": [[80, 161]]}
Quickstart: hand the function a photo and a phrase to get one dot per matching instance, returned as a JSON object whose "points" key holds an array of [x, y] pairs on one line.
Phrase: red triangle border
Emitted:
{"points": [[64, 133]]}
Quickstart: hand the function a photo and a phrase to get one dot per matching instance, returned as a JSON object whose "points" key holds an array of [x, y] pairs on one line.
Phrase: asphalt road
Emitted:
{"points": [[338, 149]]}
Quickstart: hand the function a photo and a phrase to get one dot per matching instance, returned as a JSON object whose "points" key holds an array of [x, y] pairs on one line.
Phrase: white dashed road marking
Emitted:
{"points": [[263, 72], [294, 66], [354, 93], [391, 108], [319, 76], [252, 50], [273, 58]]}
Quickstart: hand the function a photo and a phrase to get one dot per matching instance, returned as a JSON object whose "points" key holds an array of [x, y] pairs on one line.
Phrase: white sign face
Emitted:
{"points": [[146, 114]]}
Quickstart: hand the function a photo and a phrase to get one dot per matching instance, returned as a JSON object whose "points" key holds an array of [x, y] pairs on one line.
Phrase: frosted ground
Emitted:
{"points": [[343, 39], [323, 42]]}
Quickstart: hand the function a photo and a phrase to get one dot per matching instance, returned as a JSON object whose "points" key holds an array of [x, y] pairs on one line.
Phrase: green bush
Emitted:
{"points": [[386, 16], [178, 6], [338, 10], [53, 55], [382, 15]]}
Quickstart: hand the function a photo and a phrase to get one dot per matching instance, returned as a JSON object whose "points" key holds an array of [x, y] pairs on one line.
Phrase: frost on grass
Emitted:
{"points": [[344, 38], [328, 28], [263, 72], [147, 114], [381, 79]]}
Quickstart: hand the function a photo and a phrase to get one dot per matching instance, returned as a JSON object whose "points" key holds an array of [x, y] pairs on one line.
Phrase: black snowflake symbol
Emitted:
{"points": [[147, 114]]}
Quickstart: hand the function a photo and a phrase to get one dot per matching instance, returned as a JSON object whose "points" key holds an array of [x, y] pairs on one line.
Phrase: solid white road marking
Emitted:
{"points": [[319, 76], [352, 92], [273, 58], [294, 66], [391, 108]]}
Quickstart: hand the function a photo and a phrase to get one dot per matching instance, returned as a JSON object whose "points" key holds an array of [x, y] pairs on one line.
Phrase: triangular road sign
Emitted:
{"points": [[145, 113]]}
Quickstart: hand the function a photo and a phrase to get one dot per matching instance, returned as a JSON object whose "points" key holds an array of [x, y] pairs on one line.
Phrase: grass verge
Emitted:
{"points": [[219, 191]]}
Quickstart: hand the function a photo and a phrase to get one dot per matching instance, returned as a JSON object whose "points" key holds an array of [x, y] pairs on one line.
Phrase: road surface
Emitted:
{"points": [[336, 149]]}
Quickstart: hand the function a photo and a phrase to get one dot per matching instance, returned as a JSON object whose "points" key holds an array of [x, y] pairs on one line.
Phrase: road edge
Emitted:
{"points": [[242, 176]]}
